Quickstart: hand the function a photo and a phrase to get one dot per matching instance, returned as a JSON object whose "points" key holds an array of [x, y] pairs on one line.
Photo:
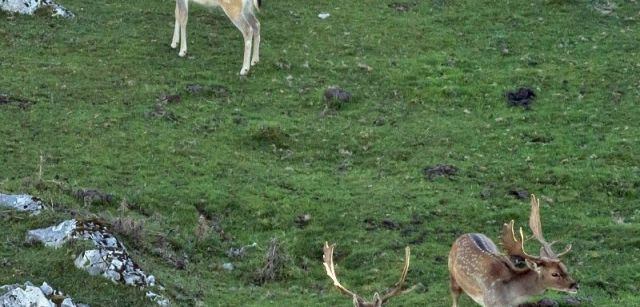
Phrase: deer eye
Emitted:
{"points": [[555, 274]]}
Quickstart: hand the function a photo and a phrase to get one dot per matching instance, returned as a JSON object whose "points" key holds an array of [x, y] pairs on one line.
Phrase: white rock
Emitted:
{"points": [[324, 15], [53, 236], [46, 289], [30, 6], [29, 296], [92, 262], [21, 202]]}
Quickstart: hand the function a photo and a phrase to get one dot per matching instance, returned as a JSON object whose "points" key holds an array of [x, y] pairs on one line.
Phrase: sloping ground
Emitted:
{"points": [[200, 162]]}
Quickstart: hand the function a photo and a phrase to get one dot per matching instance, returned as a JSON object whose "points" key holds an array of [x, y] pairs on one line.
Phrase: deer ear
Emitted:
{"points": [[534, 266]]}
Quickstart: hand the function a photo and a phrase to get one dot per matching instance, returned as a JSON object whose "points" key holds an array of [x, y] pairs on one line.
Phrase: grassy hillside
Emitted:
{"points": [[251, 154]]}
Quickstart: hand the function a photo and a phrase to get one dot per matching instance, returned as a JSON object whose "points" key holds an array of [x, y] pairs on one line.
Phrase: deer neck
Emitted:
{"points": [[524, 285]]}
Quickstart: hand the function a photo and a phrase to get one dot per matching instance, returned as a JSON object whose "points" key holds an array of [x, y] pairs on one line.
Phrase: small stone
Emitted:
{"points": [[228, 266], [46, 289]]}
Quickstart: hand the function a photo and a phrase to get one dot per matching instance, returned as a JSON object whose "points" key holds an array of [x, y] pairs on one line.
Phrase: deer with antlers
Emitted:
{"points": [[501, 280], [358, 301], [240, 12]]}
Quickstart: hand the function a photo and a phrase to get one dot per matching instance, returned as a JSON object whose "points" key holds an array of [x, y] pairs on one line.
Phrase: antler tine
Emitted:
{"points": [[534, 220], [509, 240], [536, 227], [327, 258], [397, 288], [566, 250], [512, 245]]}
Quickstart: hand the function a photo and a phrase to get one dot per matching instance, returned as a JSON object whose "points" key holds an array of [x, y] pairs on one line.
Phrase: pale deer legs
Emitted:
{"points": [[247, 33], [255, 25], [245, 21], [180, 28]]}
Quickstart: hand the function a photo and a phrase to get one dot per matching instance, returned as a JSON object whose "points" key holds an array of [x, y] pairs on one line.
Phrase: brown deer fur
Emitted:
{"points": [[493, 279]]}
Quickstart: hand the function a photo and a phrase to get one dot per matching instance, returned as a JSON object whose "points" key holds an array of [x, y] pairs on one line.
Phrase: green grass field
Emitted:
{"points": [[251, 154]]}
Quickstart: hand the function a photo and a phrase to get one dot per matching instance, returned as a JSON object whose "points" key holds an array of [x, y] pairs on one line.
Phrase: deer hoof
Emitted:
{"points": [[254, 62], [174, 45], [244, 71], [182, 53]]}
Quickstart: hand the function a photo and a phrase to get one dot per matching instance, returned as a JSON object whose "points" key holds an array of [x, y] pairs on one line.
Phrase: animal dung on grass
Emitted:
{"points": [[7, 100], [439, 170], [522, 97], [93, 196], [334, 98], [334, 93], [519, 193]]}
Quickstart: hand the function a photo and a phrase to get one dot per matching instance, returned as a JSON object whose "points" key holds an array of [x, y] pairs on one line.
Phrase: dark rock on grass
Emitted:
{"points": [[92, 196], [169, 98], [195, 88], [439, 170], [522, 97], [334, 98], [302, 220], [337, 94], [519, 193]]}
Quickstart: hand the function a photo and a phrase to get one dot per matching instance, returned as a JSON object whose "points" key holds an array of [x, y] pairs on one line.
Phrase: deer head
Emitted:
{"points": [[548, 264], [358, 301]]}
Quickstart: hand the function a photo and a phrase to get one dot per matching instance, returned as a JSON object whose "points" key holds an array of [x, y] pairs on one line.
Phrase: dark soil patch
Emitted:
{"points": [[386, 223], [402, 6], [439, 170], [21, 103], [519, 193], [522, 97], [536, 138], [215, 90], [168, 99]]}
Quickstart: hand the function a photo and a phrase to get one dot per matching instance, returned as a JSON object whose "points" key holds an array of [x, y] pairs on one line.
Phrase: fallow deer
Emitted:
{"points": [[358, 301], [500, 280], [240, 12]]}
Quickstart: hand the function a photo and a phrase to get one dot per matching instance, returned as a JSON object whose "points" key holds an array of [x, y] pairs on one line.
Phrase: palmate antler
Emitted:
{"points": [[358, 301], [515, 247], [536, 228]]}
